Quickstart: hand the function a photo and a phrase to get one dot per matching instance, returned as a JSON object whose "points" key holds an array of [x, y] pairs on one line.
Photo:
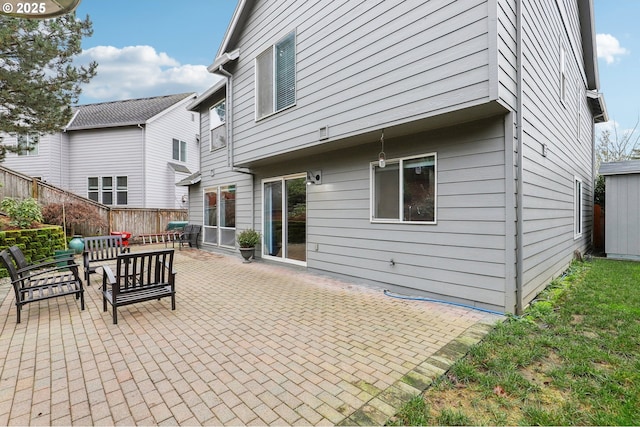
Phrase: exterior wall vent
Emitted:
{"points": [[324, 133]]}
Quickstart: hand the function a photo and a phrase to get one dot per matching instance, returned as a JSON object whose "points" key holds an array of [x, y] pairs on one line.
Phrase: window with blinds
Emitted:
{"points": [[276, 77]]}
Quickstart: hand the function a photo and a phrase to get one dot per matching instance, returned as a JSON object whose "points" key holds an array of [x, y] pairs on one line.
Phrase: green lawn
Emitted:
{"points": [[573, 359]]}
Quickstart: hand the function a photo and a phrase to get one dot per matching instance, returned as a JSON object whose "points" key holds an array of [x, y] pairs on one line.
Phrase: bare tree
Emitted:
{"points": [[613, 146]]}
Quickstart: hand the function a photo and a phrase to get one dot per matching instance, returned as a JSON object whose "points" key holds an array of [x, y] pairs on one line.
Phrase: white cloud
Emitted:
{"points": [[139, 72], [609, 48]]}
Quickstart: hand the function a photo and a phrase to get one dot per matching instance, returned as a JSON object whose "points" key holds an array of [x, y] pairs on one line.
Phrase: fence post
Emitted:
{"points": [[34, 188]]}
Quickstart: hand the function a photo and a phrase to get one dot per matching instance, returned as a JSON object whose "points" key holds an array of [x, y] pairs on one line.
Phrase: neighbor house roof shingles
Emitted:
{"points": [[122, 113]]}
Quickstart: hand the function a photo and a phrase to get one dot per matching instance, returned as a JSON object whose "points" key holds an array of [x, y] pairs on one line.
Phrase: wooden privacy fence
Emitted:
{"points": [[133, 220]]}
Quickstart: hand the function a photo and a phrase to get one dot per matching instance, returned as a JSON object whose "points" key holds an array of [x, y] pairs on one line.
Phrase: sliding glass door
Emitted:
{"points": [[285, 219], [220, 215]]}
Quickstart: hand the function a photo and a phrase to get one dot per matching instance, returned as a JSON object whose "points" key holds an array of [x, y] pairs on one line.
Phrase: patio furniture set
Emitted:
{"points": [[138, 277]]}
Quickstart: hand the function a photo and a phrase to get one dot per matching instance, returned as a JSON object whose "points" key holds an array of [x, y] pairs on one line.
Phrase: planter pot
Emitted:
{"points": [[77, 244], [63, 253], [247, 253]]}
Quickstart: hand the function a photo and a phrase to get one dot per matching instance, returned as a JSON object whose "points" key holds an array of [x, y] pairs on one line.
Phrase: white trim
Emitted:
{"points": [[578, 207], [400, 161], [274, 100], [282, 180], [218, 228]]}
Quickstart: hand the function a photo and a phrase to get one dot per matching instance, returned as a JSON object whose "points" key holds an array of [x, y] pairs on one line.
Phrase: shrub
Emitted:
{"points": [[22, 213], [75, 214], [248, 238]]}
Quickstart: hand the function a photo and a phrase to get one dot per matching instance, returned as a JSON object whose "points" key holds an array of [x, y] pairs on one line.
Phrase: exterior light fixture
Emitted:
{"points": [[382, 158], [314, 177]]}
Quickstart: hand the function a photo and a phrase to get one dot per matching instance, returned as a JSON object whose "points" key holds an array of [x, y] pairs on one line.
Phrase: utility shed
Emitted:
{"points": [[622, 209]]}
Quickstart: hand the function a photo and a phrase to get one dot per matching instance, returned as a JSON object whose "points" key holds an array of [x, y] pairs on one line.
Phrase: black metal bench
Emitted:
{"points": [[139, 277], [190, 235], [43, 279], [99, 249]]}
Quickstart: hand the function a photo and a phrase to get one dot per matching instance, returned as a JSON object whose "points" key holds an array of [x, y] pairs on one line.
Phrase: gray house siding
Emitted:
{"points": [[160, 131], [564, 130], [462, 257], [507, 51], [215, 171], [49, 163], [90, 148], [397, 63], [443, 77]]}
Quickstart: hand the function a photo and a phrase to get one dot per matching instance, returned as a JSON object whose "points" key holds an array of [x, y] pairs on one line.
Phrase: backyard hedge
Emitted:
{"points": [[36, 243]]}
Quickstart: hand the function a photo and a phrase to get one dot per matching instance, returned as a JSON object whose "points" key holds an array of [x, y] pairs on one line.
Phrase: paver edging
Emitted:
{"points": [[419, 379]]}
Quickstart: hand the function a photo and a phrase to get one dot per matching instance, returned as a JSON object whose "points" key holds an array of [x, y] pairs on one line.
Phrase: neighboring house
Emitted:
{"points": [[123, 153], [440, 148]]}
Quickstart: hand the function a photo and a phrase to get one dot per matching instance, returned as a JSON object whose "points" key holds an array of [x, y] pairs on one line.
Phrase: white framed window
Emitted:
{"points": [[93, 188], [217, 115], [577, 207], [28, 144], [563, 74], [122, 190], [220, 215], [101, 189], [179, 150], [405, 190], [275, 70]]}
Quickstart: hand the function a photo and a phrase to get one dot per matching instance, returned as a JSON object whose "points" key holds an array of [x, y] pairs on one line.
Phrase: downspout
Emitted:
{"points": [[144, 166], [62, 184], [230, 145], [519, 165]]}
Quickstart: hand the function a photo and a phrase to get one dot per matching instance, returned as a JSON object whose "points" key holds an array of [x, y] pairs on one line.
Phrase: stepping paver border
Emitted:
{"points": [[387, 403]]}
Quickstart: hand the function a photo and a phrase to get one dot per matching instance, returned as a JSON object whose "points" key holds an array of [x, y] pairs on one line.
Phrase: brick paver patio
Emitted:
{"points": [[249, 344]]}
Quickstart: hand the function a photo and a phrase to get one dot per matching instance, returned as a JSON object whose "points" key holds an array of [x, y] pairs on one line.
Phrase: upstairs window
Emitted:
{"points": [[276, 77], [217, 115], [179, 150], [563, 74], [28, 144]]}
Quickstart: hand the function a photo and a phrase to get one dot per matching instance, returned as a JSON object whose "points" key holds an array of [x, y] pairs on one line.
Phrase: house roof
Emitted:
{"points": [[190, 180], [620, 168], [208, 94], [128, 112], [178, 167]]}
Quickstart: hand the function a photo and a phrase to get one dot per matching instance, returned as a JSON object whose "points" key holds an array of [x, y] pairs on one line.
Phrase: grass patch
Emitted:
{"points": [[572, 359]]}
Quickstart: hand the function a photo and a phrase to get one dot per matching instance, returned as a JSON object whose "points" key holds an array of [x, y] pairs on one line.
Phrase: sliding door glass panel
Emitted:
{"points": [[296, 232], [228, 215], [272, 235], [210, 216]]}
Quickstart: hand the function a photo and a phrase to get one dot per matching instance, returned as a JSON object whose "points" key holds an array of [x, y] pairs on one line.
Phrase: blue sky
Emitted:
{"points": [[152, 47], [156, 47], [618, 33]]}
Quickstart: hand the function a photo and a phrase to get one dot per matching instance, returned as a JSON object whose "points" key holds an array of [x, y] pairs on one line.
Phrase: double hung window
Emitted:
{"points": [[179, 150], [404, 190], [276, 77]]}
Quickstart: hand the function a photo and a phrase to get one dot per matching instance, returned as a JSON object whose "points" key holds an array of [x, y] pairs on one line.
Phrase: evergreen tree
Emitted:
{"points": [[38, 81]]}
